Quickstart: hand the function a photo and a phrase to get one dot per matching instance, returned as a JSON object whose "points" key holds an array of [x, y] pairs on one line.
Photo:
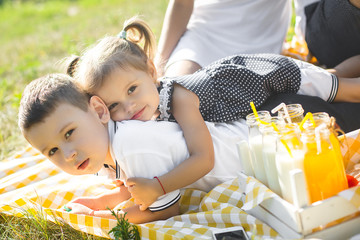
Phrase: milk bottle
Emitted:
{"points": [[289, 156], [269, 136], [256, 145]]}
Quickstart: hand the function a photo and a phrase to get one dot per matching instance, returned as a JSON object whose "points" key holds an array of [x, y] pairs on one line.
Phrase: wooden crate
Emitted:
{"points": [[332, 218]]}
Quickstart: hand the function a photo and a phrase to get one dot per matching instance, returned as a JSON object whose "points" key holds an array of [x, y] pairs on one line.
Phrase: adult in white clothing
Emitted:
{"points": [[198, 32]]}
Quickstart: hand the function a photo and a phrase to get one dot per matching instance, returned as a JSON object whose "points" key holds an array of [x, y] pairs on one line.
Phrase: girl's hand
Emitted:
{"points": [[144, 191], [78, 208], [118, 182]]}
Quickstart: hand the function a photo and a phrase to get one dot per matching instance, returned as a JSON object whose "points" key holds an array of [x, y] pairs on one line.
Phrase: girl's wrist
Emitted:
{"points": [[160, 188]]}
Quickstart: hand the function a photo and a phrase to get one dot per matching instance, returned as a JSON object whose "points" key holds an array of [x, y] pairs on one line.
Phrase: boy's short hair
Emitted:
{"points": [[41, 97]]}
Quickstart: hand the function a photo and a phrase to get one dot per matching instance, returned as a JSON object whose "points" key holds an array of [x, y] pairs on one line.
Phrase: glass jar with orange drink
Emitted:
{"points": [[323, 168]]}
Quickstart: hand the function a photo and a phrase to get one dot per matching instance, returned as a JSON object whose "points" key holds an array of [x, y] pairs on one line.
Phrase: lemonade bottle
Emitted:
{"points": [[323, 169], [294, 111]]}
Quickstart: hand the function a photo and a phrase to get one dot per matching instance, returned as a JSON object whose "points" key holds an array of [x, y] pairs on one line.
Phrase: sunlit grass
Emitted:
{"points": [[35, 35], [34, 225]]}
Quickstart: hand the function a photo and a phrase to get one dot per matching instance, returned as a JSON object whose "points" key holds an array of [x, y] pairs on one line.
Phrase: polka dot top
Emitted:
{"points": [[225, 88]]}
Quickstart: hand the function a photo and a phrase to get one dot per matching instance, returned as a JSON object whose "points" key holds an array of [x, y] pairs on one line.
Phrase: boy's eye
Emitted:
{"points": [[68, 133], [112, 106], [131, 89], [52, 151]]}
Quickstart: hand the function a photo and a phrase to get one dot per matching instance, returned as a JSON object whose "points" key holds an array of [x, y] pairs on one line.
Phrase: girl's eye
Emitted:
{"points": [[131, 89], [112, 106], [52, 151], [68, 133]]}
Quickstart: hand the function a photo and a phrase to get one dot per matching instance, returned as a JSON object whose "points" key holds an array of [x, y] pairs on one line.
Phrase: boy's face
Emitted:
{"points": [[130, 94], [74, 140]]}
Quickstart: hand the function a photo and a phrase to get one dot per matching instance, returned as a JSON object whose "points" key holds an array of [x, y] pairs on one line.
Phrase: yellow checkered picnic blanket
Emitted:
{"points": [[29, 181]]}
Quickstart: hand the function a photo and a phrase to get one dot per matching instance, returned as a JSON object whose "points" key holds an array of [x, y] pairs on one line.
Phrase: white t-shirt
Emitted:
{"points": [[148, 149], [220, 28]]}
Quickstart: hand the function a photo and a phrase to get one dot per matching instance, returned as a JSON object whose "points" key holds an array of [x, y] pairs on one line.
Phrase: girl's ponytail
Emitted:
{"points": [[72, 63], [140, 33]]}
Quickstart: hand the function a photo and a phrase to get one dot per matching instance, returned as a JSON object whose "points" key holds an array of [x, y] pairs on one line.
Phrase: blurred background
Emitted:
{"points": [[36, 34]]}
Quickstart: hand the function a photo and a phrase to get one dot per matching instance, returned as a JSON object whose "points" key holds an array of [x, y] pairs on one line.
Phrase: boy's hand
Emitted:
{"points": [[144, 191], [77, 208], [89, 202]]}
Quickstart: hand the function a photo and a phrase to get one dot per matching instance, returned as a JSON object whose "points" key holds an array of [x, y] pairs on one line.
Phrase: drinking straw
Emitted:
{"points": [[272, 124], [310, 117], [282, 106], [318, 137], [256, 114]]}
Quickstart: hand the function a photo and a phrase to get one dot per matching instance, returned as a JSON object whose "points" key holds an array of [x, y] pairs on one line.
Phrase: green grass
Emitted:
{"points": [[35, 35]]}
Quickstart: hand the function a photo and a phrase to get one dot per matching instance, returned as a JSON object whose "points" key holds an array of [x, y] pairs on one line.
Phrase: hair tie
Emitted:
{"points": [[122, 34]]}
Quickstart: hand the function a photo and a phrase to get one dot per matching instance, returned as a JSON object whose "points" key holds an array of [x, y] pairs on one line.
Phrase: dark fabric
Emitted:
{"points": [[226, 87], [347, 115], [332, 31]]}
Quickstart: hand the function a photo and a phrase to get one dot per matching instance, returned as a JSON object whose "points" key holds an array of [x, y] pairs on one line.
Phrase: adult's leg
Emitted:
{"points": [[347, 115], [182, 67], [332, 30]]}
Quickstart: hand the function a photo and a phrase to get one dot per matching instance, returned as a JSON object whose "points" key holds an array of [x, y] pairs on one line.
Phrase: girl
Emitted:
{"points": [[122, 73]]}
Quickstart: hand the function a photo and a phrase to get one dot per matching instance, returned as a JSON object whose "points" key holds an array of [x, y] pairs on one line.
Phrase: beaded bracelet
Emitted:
{"points": [[160, 184]]}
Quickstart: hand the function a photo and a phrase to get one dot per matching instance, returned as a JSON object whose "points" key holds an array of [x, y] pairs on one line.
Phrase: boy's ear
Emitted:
{"points": [[152, 69], [100, 108]]}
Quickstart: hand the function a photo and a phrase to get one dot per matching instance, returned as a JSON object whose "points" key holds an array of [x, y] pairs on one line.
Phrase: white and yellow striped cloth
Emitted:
{"points": [[29, 181]]}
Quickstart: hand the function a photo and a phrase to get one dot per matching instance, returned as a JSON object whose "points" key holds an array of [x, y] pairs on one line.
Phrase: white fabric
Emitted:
{"points": [[300, 20], [316, 81], [220, 28], [148, 149]]}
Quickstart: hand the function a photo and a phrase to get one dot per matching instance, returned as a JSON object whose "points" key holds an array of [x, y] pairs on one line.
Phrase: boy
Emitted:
{"points": [[73, 131]]}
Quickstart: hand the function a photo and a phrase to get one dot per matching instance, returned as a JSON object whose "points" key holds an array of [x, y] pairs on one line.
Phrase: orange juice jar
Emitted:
{"points": [[323, 117], [323, 169]]}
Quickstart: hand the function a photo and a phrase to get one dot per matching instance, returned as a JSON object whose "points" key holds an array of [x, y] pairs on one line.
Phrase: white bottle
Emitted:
{"points": [[289, 156], [269, 136], [255, 144]]}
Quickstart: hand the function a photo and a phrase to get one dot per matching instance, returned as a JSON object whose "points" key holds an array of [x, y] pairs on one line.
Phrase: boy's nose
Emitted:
{"points": [[70, 154]]}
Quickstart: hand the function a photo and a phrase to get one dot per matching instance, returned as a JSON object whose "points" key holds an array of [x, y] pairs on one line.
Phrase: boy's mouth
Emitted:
{"points": [[138, 114], [83, 165]]}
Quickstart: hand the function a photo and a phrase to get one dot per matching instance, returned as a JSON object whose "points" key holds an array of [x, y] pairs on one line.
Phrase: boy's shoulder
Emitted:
{"points": [[140, 132]]}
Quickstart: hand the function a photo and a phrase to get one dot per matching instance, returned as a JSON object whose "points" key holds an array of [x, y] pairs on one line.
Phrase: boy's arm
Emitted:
{"points": [[134, 214], [200, 146], [109, 199]]}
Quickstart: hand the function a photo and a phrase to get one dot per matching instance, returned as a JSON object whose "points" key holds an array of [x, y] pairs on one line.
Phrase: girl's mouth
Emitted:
{"points": [[83, 165], [138, 114]]}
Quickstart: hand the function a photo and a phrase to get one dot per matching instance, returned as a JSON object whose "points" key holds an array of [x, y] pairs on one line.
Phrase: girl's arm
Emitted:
{"points": [[185, 107], [176, 19]]}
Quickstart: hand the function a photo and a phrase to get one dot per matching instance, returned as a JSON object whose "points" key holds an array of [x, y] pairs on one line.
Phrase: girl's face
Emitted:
{"points": [[130, 94]]}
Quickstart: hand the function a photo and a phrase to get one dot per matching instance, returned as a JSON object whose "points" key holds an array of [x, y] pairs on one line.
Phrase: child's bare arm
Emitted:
{"points": [[199, 143], [106, 200], [134, 214]]}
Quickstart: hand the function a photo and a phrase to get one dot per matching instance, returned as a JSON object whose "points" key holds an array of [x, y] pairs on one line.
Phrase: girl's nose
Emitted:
{"points": [[129, 107]]}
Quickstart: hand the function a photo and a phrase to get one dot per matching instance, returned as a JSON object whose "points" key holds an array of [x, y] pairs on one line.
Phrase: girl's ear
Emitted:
{"points": [[98, 105], [152, 69]]}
